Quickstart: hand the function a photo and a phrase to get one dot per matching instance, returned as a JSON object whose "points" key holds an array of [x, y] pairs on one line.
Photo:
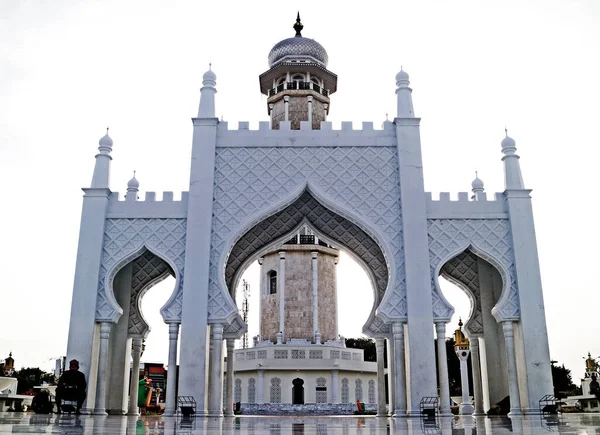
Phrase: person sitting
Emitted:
{"points": [[71, 386]]}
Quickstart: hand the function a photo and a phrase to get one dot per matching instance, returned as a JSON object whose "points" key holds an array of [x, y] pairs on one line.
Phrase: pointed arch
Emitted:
{"points": [[329, 221], [111, 273]]}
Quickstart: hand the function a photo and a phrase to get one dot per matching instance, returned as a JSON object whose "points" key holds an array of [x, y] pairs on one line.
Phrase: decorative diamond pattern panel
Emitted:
{"points": [[363, 180], [463, 269], [345, 391], [371, 391], [124, 240], [148, 270], [490, 239], [237, 391], [251, 390], [275, 391], [358, 390]]}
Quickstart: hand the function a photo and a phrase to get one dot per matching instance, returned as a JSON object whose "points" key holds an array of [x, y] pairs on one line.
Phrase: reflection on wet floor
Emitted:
{"points": [[345, 425]]}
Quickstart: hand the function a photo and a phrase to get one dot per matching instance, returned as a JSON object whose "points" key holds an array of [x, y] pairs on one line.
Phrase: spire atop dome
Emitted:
{"points": [[403, 92], [133, 186], [298, 26], [101, 176], [512, 170], [476, 187], [207, 94]]}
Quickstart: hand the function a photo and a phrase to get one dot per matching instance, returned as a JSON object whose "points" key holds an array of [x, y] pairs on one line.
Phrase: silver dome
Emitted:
{"points": [[298, 46]]}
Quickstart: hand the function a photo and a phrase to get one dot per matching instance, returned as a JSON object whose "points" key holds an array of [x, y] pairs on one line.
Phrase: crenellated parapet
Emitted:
{"points": [[149, 207], [465, 208], [347, 136]]}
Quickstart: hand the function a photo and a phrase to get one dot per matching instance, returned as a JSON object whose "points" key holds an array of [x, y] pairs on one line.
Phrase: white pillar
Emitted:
{"points": [[215, 404], [281, 282], [325, 107], [399, 370], [271, 105], [485, 385], [335, 386], [380, 346], [310, 110], [102, 359], [315, 294], [391, 375], [134, 380], [513, 383], [440, 329], [229, 380], [464, 381], [286, 106], [171, 405], [260, 387], [475, 358]]}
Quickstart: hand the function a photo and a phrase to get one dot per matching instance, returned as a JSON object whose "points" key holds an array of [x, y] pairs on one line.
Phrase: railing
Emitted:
{"points": [[303, 86], [305, 240]]}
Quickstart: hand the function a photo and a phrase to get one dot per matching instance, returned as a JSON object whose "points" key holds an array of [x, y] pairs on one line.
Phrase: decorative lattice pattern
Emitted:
{"points": [[147, 270], [280, 354], [315, 354], [358, 390], [346, 356], [371, 391], [237, 391], [251, 355], [262, 354], [251, 390], [362, 180], [491, 240], [298, 354], [334, 354], [125, 240], [240, 356], [463, 271], [275, 390], [356, 357], [321, 393], [345, 391]]}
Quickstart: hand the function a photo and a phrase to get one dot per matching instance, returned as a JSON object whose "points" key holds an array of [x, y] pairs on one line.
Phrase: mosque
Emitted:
{"points": [[251, 194]]}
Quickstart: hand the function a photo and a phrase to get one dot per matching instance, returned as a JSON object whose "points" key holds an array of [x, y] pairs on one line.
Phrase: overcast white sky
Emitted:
{"points": [[68, 69]]}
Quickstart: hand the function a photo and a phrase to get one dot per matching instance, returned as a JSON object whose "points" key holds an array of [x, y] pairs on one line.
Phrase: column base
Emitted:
{"points": [[400, 414], [446, 414], [99, 411], [169, 414], [133, 413], [515, 413], [466, 409]]}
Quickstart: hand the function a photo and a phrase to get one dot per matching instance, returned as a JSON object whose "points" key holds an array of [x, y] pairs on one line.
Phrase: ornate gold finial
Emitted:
{"points": [[460, 323], [459, 337], [298, 26]]}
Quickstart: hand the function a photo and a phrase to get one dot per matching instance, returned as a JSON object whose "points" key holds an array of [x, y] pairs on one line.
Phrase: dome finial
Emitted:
{"points": [[298, 26]]}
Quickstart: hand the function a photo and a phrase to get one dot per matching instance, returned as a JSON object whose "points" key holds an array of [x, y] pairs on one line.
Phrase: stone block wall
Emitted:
{"points": [[298, 110]]}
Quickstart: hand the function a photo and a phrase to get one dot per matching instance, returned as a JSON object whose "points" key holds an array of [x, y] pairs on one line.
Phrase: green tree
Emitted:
{"points": [[563, 382], [367, 344], [30, 377]]}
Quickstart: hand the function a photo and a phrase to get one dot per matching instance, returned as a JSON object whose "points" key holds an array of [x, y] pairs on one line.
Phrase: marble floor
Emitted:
{"points": [[343, 425]]}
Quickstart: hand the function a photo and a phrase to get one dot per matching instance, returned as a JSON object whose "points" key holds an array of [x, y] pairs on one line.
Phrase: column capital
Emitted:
{"points": [[507, 326], [314, 254], [173, 331], [230, 344], [105, 330], [282, 255], [309, 98], [440, 329], [216, 331], [286, 99]]}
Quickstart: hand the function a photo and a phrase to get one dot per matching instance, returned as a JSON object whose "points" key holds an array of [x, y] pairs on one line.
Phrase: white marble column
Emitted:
{"points": [[335, 386], [171, 405], [325, 107], [485, 385], [391, 376], [286, 106], [281, 282], [260, 387], [380, 346], [513, 383], [315, 294], [136, 353], [475, 365], [102, 360], [399, 370], [271, 105], [310, 109], [229, 379], [440, 330], [215, 397]]}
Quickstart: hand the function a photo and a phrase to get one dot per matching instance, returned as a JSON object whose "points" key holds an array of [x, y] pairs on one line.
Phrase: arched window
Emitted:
{"points": [[272, 282], [275, 396], [237, 391], [345, 391], [251, 390], [371, 391], [298, 78], [358, 390], [321, 390]]}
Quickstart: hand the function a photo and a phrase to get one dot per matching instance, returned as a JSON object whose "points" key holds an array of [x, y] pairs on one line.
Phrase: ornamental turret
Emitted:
{"points": [[298, 83], [462, 349]]}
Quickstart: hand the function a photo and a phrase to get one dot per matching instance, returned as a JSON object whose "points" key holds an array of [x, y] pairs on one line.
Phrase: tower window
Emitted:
{"points": [[272, 282]]}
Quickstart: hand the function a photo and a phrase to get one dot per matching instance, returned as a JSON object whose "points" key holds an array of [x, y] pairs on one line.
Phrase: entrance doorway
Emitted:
{"points": [[298, 392]]}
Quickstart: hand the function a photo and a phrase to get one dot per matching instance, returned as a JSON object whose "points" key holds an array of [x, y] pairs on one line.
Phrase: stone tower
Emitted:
{"points": [[298, 84], [298, 290]]}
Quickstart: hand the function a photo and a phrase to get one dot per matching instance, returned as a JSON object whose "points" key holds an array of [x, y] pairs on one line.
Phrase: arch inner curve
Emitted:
{"points": [[336, 228]]}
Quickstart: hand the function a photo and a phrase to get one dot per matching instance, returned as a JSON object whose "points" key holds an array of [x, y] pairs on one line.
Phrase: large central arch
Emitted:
{"points": [[335, 228]]}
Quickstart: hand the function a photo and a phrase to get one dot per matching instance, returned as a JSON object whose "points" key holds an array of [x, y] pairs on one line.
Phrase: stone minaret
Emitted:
{"points": [[298, 291], [298, 84]]}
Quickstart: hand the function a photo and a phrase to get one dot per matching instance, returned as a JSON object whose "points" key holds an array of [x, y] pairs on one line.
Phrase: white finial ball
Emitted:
{"points": [[477, 183], [106, 141], [209, 77], [508, 143], [133, 183], [402, 78]]}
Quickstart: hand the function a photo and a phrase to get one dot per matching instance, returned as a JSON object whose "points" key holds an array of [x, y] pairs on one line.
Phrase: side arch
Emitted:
{"points": [[328, 224]]}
